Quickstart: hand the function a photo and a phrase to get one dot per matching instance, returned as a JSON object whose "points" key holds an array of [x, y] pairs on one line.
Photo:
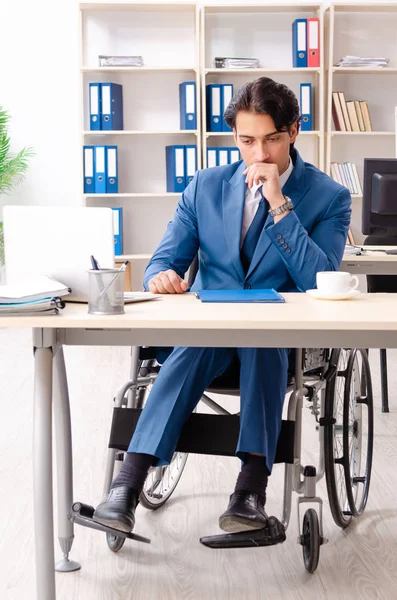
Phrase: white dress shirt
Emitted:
{"points": [[253, 197]]}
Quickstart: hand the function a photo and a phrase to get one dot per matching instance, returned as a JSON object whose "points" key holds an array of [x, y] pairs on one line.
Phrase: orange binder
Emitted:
{"points": [[313, 43]]}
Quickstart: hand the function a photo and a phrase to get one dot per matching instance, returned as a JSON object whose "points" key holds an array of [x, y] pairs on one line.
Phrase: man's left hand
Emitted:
{"points": [[266, 173]]}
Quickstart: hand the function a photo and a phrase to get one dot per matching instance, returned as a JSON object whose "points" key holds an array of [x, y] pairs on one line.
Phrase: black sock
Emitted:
{"points": [[134, 470], [253, 476]]}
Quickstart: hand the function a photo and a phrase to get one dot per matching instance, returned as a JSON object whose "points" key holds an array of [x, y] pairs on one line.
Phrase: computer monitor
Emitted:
{"points": [[379, 207]]}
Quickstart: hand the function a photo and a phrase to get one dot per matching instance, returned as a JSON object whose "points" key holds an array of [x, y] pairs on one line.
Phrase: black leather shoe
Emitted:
{"points": [[118, 510], [244, 512]]}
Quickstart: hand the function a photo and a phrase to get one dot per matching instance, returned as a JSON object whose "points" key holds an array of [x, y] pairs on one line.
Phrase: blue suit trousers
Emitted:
{"points": [[183, 378]]}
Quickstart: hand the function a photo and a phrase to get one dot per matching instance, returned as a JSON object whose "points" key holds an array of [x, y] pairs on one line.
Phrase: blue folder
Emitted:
{"points": [[95, 106], [299, 43], [187, 105], [112, 106], [268, 295], [306, 106]]}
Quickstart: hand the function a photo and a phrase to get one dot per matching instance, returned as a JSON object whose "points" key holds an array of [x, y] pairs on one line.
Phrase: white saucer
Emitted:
{"points": [[335, 296]]}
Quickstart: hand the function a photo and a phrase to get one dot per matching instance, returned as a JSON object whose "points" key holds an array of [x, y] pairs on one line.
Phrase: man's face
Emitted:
{"points": [[259, 142]]}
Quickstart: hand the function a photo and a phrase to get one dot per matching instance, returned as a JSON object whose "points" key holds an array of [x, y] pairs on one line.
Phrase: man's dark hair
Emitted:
{"points": [[265, 97]]}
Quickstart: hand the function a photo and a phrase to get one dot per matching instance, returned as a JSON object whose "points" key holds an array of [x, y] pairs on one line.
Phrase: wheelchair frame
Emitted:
{"points": [[297, 478]]}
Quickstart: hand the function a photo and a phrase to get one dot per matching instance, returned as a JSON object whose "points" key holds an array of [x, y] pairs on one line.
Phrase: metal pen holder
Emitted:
{"points": [[106, 292]]}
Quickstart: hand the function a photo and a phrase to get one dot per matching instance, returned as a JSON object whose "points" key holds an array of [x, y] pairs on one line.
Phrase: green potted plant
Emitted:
{"points": [[13, 168]]}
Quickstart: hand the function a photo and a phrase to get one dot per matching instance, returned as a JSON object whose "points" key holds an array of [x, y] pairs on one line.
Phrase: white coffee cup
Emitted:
{"points": [[336, 282]]}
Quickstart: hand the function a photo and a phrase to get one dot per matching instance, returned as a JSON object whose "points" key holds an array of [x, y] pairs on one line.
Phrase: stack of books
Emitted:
{"points": [[365, 63], [346, 174], [226, 62], [350, 115], [120, 61], [35, 296]]}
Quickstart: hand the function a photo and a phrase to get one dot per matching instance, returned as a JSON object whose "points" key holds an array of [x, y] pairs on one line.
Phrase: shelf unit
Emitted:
{"points": [[362, 30], [226, 30], [166, 35]]}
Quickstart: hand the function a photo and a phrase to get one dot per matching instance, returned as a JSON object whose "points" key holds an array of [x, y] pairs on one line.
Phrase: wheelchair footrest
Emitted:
{"points": [[82, 515], [272, 534]]}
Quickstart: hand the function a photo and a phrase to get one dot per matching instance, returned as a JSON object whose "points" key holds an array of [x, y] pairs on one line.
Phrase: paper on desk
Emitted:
{"points": [[35, 288]]}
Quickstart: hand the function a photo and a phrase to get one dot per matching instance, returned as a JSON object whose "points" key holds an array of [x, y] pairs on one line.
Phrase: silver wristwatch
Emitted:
{"points": [[281, 209]]}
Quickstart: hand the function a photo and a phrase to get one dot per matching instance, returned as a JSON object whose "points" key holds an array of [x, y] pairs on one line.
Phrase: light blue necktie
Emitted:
{"points": [[254, 232]]}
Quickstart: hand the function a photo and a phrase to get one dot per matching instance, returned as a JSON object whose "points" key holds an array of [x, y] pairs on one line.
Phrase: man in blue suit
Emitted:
{"points": [[268, 221]]}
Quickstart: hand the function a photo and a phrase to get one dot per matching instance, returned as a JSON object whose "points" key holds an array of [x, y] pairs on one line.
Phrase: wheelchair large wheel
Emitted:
{"points": [[358, 430], [348, 434], [161, 481]]}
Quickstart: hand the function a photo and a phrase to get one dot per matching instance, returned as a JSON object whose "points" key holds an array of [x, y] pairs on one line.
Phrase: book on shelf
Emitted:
{"points": [[350, 115], [346, 174]]}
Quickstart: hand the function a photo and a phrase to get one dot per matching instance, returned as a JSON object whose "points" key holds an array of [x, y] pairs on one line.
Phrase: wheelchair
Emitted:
{"points": [[337, 385]]}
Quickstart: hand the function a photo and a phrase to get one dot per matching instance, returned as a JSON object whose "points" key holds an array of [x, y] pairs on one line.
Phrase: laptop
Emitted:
{"points": [[58, 242]]}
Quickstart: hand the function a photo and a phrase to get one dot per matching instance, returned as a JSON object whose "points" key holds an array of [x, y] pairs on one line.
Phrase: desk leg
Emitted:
{"points": [[63, 436], [42, 474]]}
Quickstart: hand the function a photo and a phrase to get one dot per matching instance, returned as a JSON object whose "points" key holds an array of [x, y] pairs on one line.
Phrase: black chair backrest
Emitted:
{"points": [[381, 283], [193, 271]]}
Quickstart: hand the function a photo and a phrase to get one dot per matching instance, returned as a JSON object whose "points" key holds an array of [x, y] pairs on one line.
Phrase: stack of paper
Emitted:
{"points": [[224, 62], [120, 61], [32, 296], [357, 61]]}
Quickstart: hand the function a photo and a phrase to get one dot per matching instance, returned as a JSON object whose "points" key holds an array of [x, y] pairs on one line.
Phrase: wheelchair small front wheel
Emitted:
{"points": [[311, 540], [115, 542], [162, 481]]}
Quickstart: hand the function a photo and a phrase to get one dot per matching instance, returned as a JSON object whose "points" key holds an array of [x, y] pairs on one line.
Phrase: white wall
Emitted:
{"points": [[39, 86]]}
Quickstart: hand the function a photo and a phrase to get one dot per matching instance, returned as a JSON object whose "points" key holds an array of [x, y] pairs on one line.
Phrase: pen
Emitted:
{"points": [[120, 270], [94, 263]]}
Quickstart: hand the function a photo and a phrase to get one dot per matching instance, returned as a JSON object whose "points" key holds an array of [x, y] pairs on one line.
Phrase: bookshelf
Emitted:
{"points": [[178, 42], [166, 35], [362, 30], [263, 32]]}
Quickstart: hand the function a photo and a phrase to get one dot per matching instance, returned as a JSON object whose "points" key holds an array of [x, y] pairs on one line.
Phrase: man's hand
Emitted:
{"points": [[266, 173], [167, 282]]}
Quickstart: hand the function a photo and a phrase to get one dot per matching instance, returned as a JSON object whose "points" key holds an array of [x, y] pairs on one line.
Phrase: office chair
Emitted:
{"points": [[382, 284]]}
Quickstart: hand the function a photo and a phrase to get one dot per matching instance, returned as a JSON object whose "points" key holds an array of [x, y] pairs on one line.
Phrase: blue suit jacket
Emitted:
{"points": [[288, 255]]}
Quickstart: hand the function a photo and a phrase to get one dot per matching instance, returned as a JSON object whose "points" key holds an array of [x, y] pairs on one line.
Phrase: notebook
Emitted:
{"points": [[49, 306], [265, 295], [30, 290]]}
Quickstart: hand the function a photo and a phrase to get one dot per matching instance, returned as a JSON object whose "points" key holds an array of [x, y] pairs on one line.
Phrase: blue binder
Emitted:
{"points": [[112, 172], [118, 230], [89, 169], [95, 106], [306, 106], [299, 43], [100, 169], [187, 105], [227, 95], [212, 157], [265, 295], [234, 155], [214, 107], [112, 106], [190, 162], [222, 157], [175, 166]]}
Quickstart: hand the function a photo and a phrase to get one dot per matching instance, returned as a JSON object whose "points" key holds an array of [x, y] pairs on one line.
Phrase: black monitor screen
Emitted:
{"points": [[379, 209]]}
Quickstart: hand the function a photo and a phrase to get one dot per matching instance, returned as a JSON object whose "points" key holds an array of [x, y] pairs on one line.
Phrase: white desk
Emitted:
{"points": [[371, 263], [369, 321]]}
